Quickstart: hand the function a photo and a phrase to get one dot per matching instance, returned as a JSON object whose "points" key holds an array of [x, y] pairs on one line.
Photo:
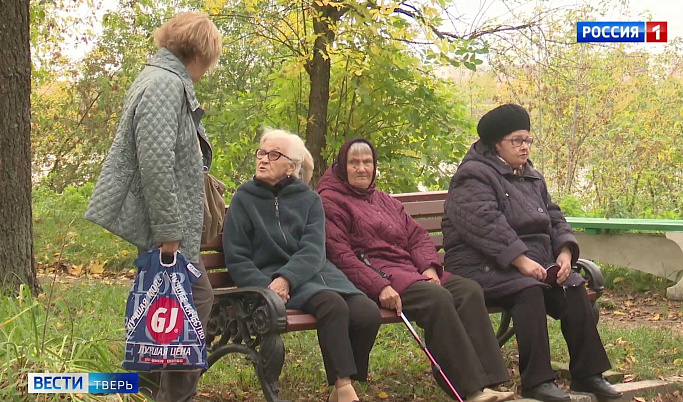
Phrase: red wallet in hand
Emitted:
{"points": [[551, 273]]}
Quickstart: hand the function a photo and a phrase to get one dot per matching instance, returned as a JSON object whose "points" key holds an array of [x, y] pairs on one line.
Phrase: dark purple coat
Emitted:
{"points": [[492, 216], [374, 223]]}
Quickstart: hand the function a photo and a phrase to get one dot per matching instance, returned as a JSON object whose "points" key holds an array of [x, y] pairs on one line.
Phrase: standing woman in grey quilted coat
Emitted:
{"points": [[151, 188]]}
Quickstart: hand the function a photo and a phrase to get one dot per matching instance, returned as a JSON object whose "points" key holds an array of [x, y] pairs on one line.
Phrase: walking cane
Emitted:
{"points": [[431, 358], [363, 257]]}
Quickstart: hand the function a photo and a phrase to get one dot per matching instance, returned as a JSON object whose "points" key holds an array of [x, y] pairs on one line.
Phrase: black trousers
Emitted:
{"points": [[181, 386], [458, 333], [347, 327], [571, 306]]}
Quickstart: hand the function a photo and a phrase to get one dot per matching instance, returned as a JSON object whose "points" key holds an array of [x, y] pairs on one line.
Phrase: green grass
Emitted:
{"points": [[643, 352], [623, 280], [71, 328], [62, 237], [84, 333]]}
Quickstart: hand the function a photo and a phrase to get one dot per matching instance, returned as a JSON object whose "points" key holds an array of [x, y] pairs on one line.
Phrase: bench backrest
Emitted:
{"points": [[426, 208]]}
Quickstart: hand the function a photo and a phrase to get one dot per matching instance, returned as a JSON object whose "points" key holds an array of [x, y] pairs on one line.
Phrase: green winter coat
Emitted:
{"points": [[151, 187], [267, 236]]}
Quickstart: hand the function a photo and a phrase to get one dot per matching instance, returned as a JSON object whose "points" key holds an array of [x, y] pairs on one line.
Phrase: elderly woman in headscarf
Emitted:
{"points": [[275, 238], [391, 258], [502, 230]]}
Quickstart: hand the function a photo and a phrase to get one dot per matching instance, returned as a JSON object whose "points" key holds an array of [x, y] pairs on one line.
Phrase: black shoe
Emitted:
{"points": [[597, 385], [546, 392]]}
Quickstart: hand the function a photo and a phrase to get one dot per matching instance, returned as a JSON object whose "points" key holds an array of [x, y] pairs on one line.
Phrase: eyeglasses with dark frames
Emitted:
{"points": [[272, 155], [517, 141]]}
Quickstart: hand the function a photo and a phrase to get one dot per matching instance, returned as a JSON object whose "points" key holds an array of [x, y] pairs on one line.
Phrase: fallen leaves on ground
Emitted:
{"points": [[641, 309]]}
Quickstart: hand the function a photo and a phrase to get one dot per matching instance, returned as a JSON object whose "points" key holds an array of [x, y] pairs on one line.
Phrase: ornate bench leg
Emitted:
{"points": [[268, 365], [249, 321]]}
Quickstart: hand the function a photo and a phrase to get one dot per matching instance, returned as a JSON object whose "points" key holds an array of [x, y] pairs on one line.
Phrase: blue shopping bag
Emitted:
{"points": [[163, 331]]}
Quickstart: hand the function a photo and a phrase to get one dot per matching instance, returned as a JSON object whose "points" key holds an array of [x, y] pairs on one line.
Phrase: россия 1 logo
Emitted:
{"points": [[621, 31]]}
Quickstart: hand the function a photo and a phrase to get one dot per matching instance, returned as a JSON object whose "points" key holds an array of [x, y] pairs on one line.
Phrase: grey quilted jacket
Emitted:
{"points": [[151, 187]]}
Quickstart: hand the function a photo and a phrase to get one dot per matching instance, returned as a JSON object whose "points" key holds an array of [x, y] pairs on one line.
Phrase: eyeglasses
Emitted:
{"points": [[517, 141], [272, 155]]}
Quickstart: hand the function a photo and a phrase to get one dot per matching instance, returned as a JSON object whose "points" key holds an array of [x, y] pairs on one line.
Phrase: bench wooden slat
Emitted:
{"points": [[214, 245], [437, 240], [297, 320], [421, 196], [213, 261], [430, 224], [426, 208], [220, 280]]}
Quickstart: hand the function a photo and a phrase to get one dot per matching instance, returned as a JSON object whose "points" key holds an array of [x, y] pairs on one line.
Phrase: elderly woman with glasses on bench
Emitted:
{"points": [[276, 240], [502, 230]]}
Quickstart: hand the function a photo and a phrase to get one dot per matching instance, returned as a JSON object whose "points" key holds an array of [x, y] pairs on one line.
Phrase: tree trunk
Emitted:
{"points": [[319, 96], [17, 263]]}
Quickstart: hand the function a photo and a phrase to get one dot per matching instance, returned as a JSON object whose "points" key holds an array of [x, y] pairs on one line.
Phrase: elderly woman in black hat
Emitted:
{"points": [[502, 230]]}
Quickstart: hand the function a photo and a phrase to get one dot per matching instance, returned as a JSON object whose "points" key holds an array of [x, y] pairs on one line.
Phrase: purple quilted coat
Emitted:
{"points": [[374, 223], [492, 216]]}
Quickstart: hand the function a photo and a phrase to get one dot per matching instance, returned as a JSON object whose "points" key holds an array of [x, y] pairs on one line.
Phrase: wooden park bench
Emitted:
{"points": [[250, 320]]}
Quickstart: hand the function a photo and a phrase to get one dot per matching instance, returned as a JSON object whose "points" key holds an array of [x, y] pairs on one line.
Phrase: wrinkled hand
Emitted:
{"points": [[280, 286], [170, 247], [529, 267], [564, 260], [168, 251], [390, 299], [432, 275]]}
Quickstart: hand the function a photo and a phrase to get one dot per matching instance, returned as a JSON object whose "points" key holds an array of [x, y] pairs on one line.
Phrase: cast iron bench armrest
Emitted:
{"points": [[593, 275]]}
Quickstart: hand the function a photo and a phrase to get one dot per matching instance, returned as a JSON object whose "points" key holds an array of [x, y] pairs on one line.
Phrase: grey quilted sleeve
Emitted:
{"points": [[156, 125]]}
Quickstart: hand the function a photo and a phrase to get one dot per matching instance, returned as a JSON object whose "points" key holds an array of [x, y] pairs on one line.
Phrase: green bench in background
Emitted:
{"points": [[622, 242]]}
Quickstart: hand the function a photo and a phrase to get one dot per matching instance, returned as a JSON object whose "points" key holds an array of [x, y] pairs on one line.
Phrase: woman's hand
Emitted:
{"points": [[432, 275], [390, 299], [170, 247], [529, 267], [280, 286], [564, 260]]}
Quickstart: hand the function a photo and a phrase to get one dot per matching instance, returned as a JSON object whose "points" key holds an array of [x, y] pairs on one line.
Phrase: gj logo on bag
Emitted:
{"points": [[162, 311], [163, 331]]}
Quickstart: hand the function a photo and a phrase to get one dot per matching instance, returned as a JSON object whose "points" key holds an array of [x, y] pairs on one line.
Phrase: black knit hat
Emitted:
{"points": [[501, 121], [339, 168]]}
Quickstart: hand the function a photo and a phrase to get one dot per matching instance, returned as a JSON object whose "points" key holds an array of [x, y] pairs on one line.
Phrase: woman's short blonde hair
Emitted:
{"points": [[296, 150], [190, 36]]}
